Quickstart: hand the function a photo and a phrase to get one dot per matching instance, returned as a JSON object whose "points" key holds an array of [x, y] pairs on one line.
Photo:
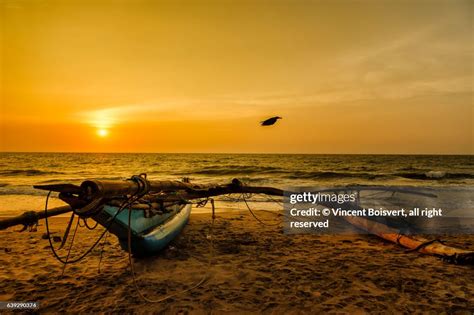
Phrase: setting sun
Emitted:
{"points": [[102, 132]]}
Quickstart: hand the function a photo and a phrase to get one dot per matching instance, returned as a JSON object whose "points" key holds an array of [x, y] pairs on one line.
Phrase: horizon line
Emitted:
{"points": [[236, 153]]}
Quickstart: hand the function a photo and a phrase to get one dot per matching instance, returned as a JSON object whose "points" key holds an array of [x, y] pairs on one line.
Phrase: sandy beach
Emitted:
{"points": [[254, 269]]}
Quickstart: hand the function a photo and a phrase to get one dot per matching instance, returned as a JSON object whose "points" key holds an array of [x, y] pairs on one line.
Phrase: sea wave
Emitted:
{"points": [[333, 175], [21, 190], [431, 175], [28, 172], [236, 169], [278, 172], [78, 179], [61, 180], [434, 175]]}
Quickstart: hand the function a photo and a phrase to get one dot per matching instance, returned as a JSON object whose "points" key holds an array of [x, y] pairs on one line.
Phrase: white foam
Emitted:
{"points": [[435, 174]]}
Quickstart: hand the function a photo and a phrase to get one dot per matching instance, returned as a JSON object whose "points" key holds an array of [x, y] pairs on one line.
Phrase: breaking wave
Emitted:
{"points": [[298, 174], [238, 169], [333, 175], [434, 175], [28, 172], [21, 190]]}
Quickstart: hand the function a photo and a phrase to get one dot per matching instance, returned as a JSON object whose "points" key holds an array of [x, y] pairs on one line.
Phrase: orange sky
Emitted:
{"points": [[347, 76]]}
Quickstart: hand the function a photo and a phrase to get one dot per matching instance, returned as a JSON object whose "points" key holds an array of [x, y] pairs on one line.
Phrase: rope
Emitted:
{"points": [[198, 284], [126, 203], [87, 225], [66, 233], [269, 211], [424, 244], [274, 200], [253, 214], [399, 236], [101, 252], [70, 246]]}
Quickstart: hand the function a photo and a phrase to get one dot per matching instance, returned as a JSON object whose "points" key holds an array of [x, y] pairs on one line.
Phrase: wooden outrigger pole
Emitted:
{"points": [[419, 244], [30, 218], [91, 194], [414, 243], [82, 197]]}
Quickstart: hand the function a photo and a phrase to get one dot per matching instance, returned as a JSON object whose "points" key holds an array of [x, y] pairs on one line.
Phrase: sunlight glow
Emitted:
{"points": [[102, 132]]}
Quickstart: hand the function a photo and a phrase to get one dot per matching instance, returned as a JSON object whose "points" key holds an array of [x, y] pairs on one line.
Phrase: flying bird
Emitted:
{"points": [[270, 121]]}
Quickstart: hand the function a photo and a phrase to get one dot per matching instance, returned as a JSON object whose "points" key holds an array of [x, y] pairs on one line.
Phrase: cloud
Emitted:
{"points": [[429, 61], [432, 60], [171, 110]]}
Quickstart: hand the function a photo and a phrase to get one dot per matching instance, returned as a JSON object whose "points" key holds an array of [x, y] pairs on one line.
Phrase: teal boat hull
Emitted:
{"points": [[149, 235]]}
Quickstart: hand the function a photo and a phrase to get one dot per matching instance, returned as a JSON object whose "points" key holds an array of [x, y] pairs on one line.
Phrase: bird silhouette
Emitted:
{"points": [[270, 121]]}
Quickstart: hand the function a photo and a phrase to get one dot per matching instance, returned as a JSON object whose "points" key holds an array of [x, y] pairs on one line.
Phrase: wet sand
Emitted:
{"points": [[254, 269]]}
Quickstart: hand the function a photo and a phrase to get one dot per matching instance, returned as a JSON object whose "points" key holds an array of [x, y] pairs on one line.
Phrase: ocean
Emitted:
{"points": [[20, 171]]}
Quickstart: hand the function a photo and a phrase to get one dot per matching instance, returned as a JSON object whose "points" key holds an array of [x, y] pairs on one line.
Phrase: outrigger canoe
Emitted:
{"points": [[149, 235], [148, 215]]}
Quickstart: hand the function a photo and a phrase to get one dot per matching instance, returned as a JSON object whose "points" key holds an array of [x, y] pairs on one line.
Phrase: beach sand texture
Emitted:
{"points": [[255, 269]]}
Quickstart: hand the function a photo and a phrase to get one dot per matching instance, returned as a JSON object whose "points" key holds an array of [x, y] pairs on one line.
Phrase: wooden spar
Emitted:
{"points": [[109, 189], [114, 188], [117, 188], [32, 217], [422, 245], [419, 244], [81, 196]]}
